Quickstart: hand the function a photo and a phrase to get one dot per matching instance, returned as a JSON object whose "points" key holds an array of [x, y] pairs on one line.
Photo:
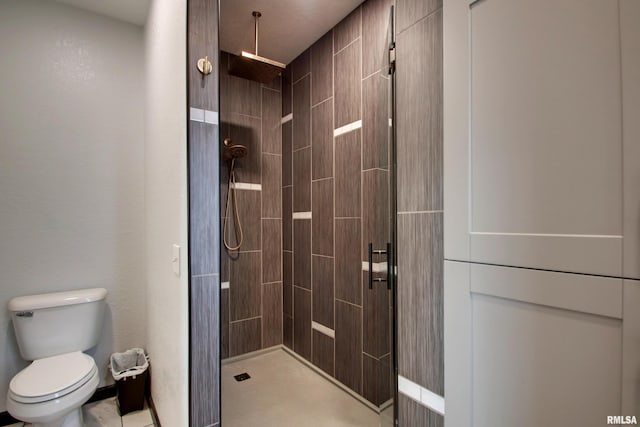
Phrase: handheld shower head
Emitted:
{"points": [[234, 151]]}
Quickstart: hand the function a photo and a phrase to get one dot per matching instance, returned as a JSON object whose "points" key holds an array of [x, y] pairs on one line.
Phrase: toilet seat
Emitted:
{"points": [[52, 377]]}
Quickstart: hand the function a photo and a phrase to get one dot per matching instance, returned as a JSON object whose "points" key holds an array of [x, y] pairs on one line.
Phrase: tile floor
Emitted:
{"points": [[285, 392], [104, 413]]}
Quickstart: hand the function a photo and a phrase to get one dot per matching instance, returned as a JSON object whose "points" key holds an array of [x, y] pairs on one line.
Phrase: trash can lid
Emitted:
{"points": [[51, 375]]}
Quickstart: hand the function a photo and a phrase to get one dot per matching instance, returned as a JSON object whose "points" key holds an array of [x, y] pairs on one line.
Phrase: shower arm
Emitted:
{"points": [[257, 16]]}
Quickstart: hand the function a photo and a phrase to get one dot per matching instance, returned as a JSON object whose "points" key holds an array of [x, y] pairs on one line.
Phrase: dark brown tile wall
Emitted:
{"points": [[302, 253], [412, 414], [349, 345], [251, 115], [302, 322], [348, 261], [322, 140], [205, 331], [420, 253], [323, 298], [348, 174], [348, 84], [419, 88], [342, 181], [272, 314], [322, 214], [323, 352]]}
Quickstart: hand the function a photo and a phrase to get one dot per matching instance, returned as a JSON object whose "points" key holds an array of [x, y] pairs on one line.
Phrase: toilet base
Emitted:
{"points": [[74, 419]]}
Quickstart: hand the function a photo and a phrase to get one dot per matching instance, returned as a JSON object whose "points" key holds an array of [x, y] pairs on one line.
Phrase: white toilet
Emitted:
{"points": [[53, 330]]}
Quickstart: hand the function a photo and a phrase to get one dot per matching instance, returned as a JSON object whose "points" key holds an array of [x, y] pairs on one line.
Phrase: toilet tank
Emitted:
{"points": [[56, 323]]}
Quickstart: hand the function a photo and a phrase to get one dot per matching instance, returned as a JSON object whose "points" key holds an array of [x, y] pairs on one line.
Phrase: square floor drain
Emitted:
{"points": [[242, 377]]}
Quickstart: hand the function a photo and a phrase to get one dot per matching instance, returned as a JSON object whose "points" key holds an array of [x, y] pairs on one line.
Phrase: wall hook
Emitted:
{"points": [[204, 66]]}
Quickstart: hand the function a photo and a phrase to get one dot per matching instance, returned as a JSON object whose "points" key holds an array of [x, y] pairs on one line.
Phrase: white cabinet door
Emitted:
{"points": [[541, 170]]}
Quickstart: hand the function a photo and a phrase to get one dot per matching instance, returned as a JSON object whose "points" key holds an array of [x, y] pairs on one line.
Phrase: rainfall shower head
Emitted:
{"points": [[234, 151], [254, 67]]}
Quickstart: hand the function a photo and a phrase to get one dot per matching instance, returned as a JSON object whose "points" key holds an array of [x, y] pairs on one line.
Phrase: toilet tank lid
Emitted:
{"points": [[56, 299]]}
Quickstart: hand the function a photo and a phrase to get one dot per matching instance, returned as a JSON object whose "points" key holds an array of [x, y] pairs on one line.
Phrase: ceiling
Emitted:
{"points": [[132, 11], [287, 27]]}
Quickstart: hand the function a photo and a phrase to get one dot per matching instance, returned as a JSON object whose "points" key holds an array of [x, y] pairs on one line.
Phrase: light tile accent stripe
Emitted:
{"points": [[203, 116], [302, 215], [287, 118], [323, 329], [378, 267], [225, 285], [347, 128], [246, 186], [421, 395]]}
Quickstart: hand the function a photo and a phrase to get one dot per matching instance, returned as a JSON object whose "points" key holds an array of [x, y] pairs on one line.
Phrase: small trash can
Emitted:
{"points": [[130, 370]]}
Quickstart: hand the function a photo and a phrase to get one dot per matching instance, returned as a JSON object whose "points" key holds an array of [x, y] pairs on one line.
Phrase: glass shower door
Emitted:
{"points": [[379, 204]]}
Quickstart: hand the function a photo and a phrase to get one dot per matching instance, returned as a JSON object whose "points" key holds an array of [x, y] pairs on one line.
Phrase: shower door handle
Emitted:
{"points": [[373, 252]]}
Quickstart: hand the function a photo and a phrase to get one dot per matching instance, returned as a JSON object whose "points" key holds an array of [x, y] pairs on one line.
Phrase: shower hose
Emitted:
{"points": [[232, 189]]}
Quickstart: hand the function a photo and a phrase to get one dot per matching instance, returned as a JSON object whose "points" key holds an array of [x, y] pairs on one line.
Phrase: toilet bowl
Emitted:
{"points": [[53, 330], [51, 391]]}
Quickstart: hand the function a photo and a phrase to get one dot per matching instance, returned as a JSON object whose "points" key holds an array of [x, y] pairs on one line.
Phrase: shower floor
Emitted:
{"points": [[283, 392]]}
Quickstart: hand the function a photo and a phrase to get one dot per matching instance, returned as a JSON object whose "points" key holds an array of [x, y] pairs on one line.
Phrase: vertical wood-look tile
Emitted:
{"points": [[347, 86], [322, 214], [287, 83], [411, 413], [250, 218], [287, 332], [348, 343], [411, 11], [376, 380], [420, 300], [301, 65], [323, 348], [287, 154], [375, 122], [322, 68], [204, 345], [323, 290], [302, 113], [203, 41], [322, 140], [348, 262], [287, 220], [271, 186], [272, 314], [347, 30], [271, 250], [246, 131], [245, 286], [204, 199], [375, 317], [242, 96], [302, 253], [245, 336], [271, 117], [302, 322], [275, 84], [419, 84], [287, 282], [375, 35], [375, 211], [302, 180], [224, 327], [348, 174]]}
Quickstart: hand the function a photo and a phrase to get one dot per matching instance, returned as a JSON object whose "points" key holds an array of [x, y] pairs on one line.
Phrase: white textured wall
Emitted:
{"points": [[166, 208], [71, 167]]}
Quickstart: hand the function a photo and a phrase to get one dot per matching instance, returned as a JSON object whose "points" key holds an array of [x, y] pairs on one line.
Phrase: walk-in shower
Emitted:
{"points": [[231, 153]]}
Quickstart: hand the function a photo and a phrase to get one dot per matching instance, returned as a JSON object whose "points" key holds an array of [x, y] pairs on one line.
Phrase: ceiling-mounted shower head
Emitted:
{"points": [[254, 67]]}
